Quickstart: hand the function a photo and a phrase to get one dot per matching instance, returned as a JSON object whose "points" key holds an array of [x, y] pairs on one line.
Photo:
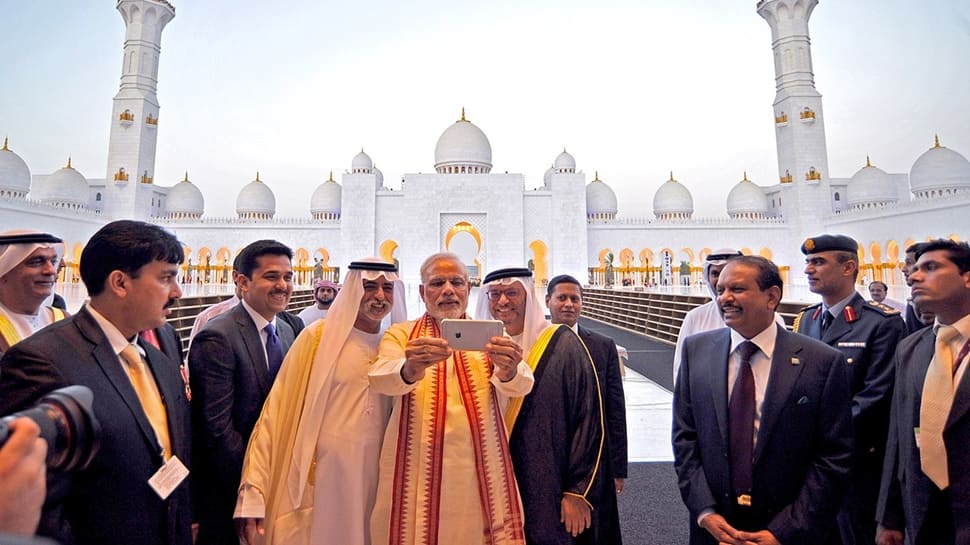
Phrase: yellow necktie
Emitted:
{"points": [[151, 400], [935, 409]]}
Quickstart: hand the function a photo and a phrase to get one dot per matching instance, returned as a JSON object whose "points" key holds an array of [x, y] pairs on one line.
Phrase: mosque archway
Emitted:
{"points": [[766, 253], [876, 265], [540, 258], [301, 267], [865, 268], [203, 265], [666, 267], [465, 241], [647, 272], [223, 271], [627, 269]]}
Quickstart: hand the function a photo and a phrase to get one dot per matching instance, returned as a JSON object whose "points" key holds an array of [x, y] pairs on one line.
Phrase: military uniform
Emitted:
{"points": [[867, 334]]}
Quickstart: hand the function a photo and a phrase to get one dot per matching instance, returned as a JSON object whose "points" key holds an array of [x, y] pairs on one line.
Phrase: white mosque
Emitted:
{"points": [[566, 225]]}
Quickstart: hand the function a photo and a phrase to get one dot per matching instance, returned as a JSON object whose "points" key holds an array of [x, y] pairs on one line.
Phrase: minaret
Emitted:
{"points": [[799, 120], [134, 117]]}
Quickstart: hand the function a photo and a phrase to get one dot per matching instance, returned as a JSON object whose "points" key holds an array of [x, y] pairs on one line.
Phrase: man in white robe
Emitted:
{"points": [[445, 473], [310, 472], [28, 271]]}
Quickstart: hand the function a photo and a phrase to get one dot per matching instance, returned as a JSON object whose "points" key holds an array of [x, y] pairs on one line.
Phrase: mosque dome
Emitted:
{"points": [[362, 163], [380, 177], [325, 201], [939, 171], [673, 201], [870, 186], [547, 177], [66, 187], [600, 200], [14, 174], [565, 163], [185, 200], [463, 148], [256, 201], [747, 201]]}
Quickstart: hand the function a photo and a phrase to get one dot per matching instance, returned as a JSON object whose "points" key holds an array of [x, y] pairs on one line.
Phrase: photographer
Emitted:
{"points": [[22, 478]]}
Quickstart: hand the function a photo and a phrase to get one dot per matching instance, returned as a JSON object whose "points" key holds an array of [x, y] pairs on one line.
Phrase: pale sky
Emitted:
{"points": [[632, 88]]}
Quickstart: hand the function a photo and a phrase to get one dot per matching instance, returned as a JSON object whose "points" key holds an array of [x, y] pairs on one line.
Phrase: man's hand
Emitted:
{"points": [[421, 354], [723, 532], [505, 355], [576, 514], [23, 478], [885, 536], [764, 537], [618, 483], [248, 529]]}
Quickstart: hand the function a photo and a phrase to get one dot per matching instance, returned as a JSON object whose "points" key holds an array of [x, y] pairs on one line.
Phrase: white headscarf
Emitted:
{"points": [[337, 327], [535, 314], [13, 252], [718, 257]]}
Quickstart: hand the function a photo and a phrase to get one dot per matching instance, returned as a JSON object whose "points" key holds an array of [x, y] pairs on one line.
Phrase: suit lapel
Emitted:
{"points": [[286, 335], [718, 371], [254, 346], [961, 397], [110, 365], [781, 380]]}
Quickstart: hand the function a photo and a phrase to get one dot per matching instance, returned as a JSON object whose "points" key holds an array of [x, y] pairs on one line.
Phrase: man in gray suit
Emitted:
{"points": [[762, 427], [925, 489], [233, 362]]}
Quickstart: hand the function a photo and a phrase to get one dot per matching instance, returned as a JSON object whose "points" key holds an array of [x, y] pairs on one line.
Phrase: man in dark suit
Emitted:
{"points": [[762, 429], [130, 270], [867, 334], [564, 298], [926, 477], [233, 362]]}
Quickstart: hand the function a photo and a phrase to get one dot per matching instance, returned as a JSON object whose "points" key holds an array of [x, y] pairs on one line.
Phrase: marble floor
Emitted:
{"points": [[648, 418]]}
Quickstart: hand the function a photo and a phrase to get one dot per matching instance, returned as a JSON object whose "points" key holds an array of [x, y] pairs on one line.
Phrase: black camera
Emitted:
{"points": [[66, 420]]}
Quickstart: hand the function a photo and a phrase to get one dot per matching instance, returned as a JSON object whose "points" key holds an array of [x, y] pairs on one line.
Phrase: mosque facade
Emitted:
{"points": [[567, 225]]}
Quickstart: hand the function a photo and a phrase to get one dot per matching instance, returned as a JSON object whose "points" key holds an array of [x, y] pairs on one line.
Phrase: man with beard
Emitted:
{"points": [[130, 270], [762, 429], [315, 449], [445, 471], [557, 430], [867, 334], [28, 270], [233, 362], [324, 292]]}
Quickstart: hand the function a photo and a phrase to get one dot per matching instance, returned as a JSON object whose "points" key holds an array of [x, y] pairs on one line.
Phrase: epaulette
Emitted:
{"points": [[801, 313], [885, 310]]}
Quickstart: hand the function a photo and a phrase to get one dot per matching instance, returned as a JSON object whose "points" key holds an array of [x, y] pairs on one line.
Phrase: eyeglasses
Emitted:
{"points": [[495, 295]]}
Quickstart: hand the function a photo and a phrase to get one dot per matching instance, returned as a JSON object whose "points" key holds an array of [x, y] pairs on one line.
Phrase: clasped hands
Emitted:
{"points": [[422, 353]]}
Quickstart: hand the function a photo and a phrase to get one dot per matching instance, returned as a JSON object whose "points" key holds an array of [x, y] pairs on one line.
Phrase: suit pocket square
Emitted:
{"points": [[802, 400]]}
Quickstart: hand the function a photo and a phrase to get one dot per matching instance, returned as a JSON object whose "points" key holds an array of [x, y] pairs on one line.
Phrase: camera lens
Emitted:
{"points": [[66, 421]]}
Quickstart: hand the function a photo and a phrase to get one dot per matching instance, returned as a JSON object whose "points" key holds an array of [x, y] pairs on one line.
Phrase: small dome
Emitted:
{"points": [[66, 187], [362, 163], [463, 148], [547, 177], [673, 200], [185, 200], [380, 177], [939, 171], [600, 200], [565, 162], [256, 201], [14, 174], [870, 186], [746, 200], [325, 201]]}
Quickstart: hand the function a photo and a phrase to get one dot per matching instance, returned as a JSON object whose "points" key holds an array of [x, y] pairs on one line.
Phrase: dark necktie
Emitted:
{"points": [[826, 320], [741, 415], [274, 351]]}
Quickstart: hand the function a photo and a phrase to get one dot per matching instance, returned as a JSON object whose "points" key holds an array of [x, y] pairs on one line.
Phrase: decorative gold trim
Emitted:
{"points": [[151, 120], [69, 162], [462, 116], [146, 179], [936, 141], [126, 116], [4, 148], [813, 175], [783, 118], [786, 179], [121, 175], [807, 113]]}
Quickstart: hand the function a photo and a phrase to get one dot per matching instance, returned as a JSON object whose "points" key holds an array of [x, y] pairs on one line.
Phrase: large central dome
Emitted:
{"points": [[463, 149]]}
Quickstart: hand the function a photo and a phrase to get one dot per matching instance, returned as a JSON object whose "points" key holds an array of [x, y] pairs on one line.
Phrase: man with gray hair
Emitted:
{"points": [[446, 475], [557, 440], [28, 271], [321, 423]]}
